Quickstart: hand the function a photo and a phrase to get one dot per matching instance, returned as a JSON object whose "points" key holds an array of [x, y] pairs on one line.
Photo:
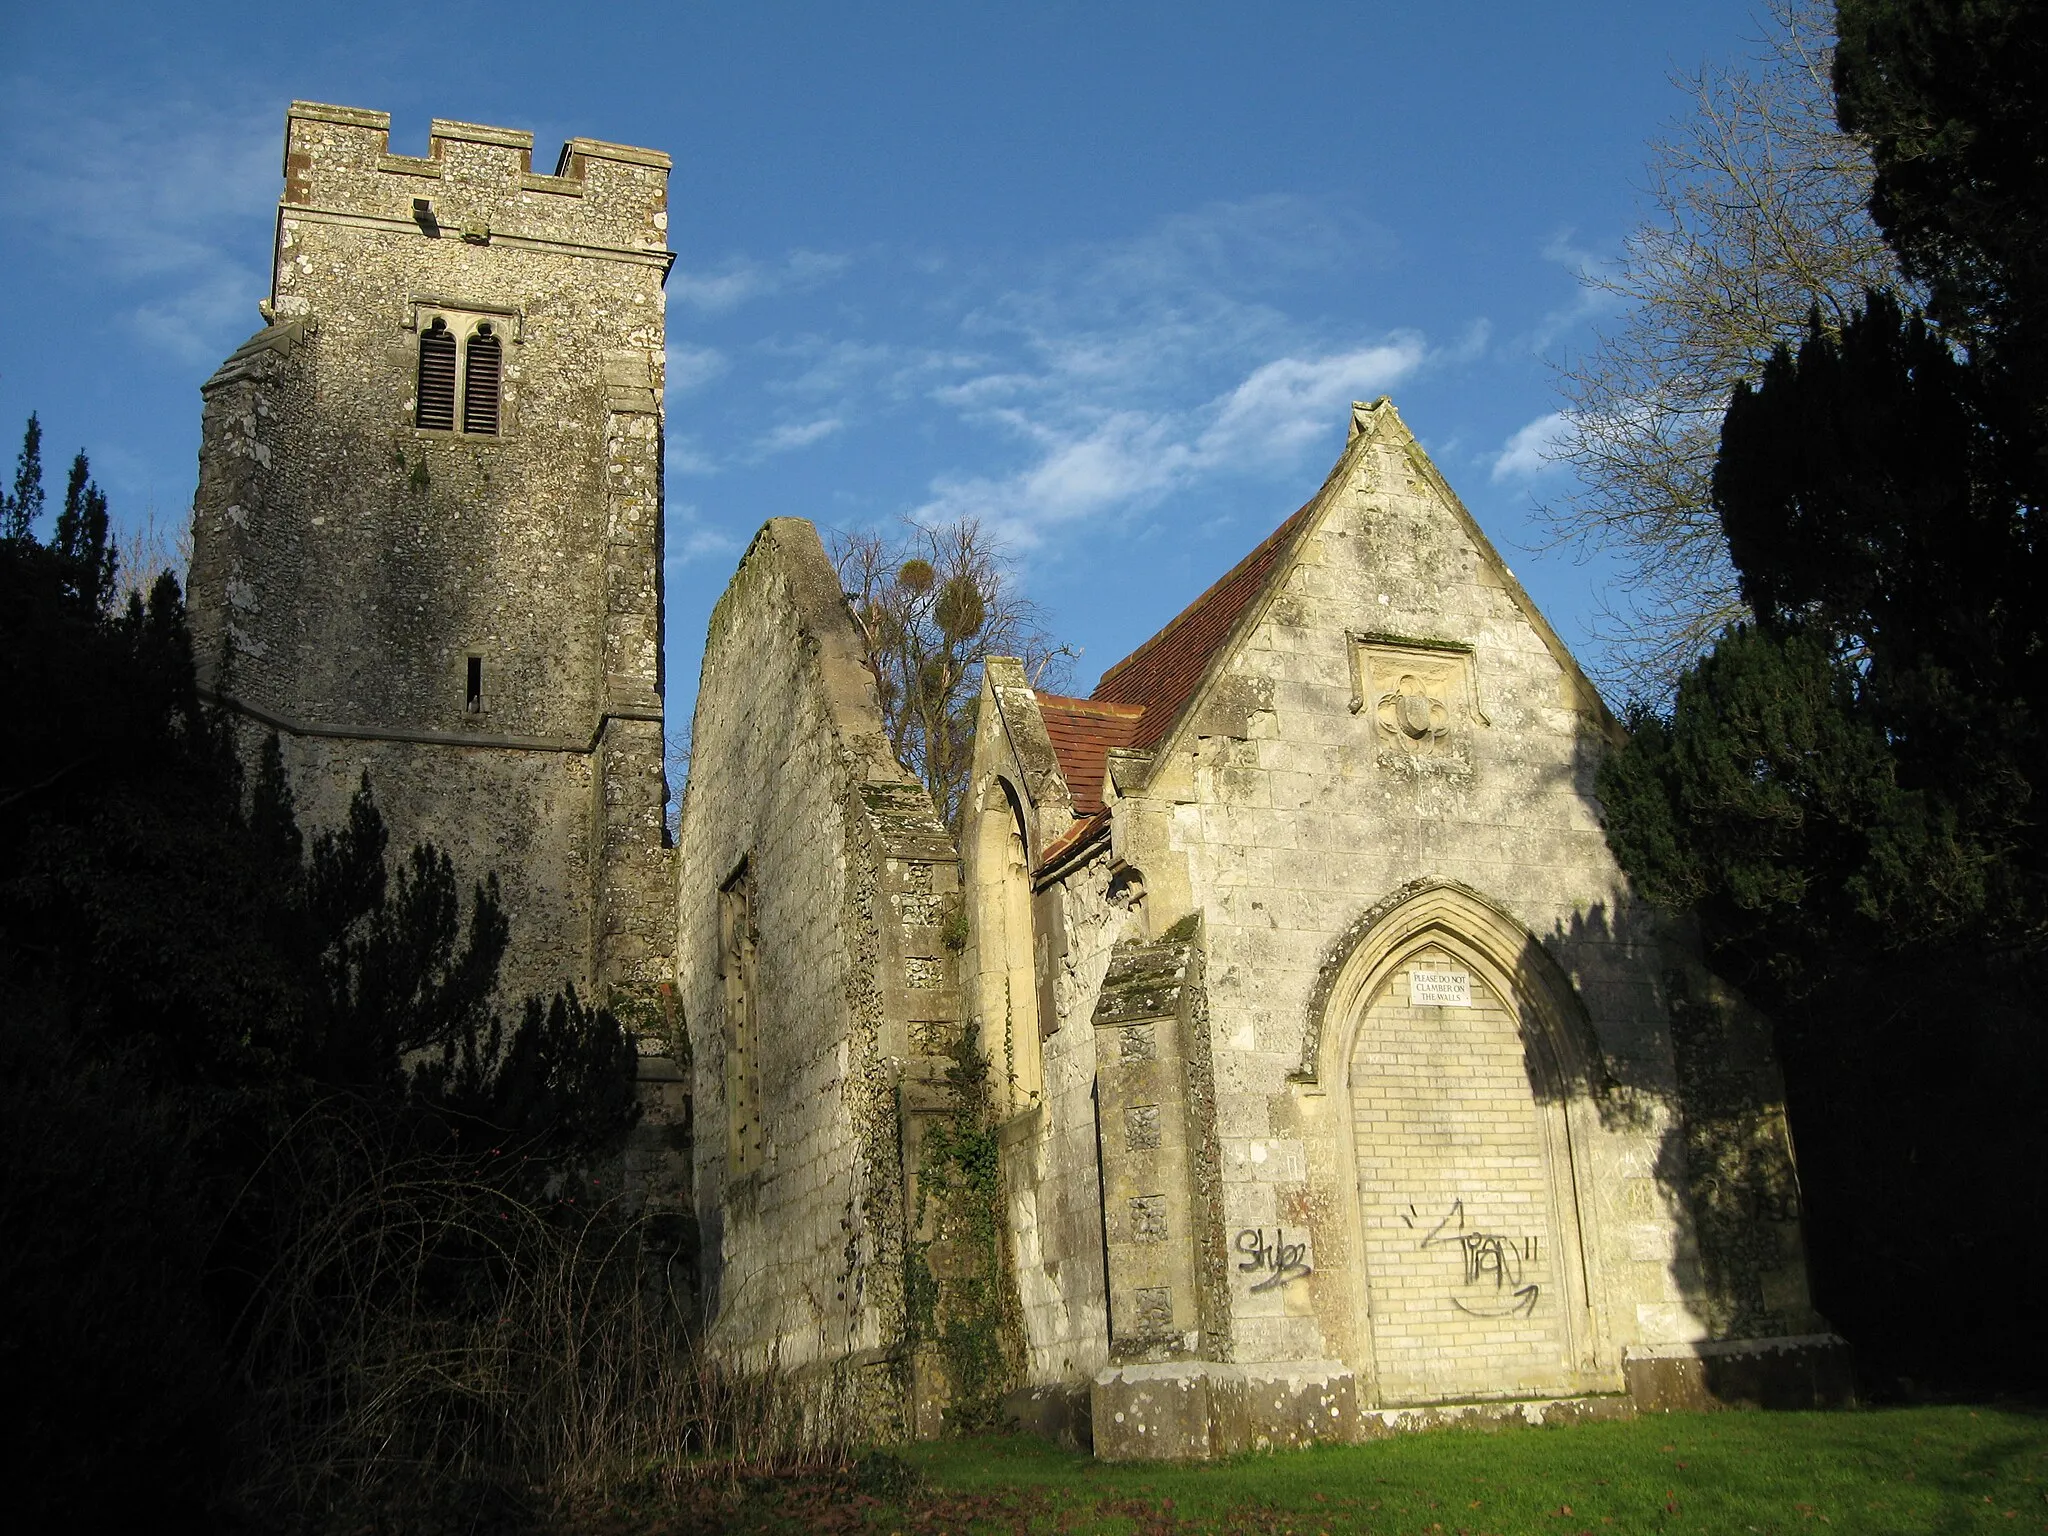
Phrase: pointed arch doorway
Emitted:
{"points": [[1458, 1075]]}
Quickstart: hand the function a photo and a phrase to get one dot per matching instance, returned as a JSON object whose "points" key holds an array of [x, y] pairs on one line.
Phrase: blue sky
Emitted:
{"points": [[1104, 275]]}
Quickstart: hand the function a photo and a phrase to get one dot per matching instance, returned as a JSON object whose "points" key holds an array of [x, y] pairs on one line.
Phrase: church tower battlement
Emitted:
{"points": [[478, 183], [428, 530]]}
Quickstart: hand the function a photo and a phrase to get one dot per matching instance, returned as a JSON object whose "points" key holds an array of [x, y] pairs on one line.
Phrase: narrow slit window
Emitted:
{"points": [[473, 687], [480, 382], [435, 408]]}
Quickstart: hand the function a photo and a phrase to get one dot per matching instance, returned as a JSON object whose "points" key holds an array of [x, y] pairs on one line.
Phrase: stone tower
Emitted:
{"points": [[428, 531]]}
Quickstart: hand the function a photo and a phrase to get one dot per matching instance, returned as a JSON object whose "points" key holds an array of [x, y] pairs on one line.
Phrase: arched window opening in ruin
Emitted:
{"points": [[742, 1067], [1007, 981], [482, 382], [434, 410]]}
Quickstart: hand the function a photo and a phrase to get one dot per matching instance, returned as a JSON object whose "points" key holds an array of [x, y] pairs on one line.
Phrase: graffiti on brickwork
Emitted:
{"points": [[1494, 1263], [1270, 1254]]}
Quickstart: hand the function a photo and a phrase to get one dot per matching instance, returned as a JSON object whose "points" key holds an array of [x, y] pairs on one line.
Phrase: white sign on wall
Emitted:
{"points": [[1440, 989]]}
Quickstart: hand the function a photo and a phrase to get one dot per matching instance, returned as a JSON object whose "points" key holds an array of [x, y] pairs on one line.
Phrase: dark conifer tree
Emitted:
{"points": [[20, 508], [1850, 794], [181, 980]]}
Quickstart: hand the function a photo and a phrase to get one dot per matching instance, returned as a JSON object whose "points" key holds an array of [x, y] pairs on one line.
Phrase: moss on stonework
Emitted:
{"points": [[1143, 982]]}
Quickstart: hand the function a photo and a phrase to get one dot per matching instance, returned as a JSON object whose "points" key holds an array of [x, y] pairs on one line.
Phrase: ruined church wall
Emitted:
{"points": [[848, 871], [1293, 813], [1055, 1178], [1051, 1174]]}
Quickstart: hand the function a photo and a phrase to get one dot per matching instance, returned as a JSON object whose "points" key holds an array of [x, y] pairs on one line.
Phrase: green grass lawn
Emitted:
{"points": [[1891, 1471]]}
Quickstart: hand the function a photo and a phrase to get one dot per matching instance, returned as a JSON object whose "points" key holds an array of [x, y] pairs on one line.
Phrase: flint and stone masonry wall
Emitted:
{"points": [[854, 1000], [347, 565]]}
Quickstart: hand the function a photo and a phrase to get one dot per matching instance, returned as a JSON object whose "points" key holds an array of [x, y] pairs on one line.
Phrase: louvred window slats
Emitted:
{"points": [[436, 408], [480, 384]]}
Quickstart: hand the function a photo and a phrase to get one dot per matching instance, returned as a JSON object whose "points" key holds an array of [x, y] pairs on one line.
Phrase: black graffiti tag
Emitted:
{"points": [[1488, 1256], [1286, 1260]]}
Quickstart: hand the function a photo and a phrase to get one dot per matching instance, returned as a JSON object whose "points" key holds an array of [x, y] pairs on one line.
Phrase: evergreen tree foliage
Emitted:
{"points": [[20, 508], [1950, 95], [185, 982], [1848, 794]]}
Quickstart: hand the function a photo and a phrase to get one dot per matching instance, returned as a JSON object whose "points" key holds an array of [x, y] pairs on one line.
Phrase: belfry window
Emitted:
{"points": [[439, 364], [480, 376], [461, 375]]}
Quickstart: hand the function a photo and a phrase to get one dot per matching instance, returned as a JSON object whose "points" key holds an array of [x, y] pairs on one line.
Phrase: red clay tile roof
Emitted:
{"points": [[1082, 732], [1162, 674], [1079, 835]]}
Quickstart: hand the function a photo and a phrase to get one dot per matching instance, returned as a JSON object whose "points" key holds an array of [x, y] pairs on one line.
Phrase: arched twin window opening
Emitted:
{"points": [[468, 375]]}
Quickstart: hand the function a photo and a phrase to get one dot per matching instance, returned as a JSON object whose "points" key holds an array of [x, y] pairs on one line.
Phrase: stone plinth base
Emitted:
{"points": [[1812, 1370], [1197, 1410], [1378, 1422]]}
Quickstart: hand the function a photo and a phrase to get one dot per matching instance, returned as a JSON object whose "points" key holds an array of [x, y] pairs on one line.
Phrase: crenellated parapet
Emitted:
{"points": [[475, 184]]}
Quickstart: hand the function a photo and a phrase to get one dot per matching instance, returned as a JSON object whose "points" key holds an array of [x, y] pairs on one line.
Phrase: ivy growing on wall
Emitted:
{"points": [[961, 1301]]}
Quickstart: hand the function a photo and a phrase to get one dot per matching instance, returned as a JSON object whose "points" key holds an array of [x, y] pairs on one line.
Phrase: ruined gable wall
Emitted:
{"points": [[1292, 815], [849, 871]]}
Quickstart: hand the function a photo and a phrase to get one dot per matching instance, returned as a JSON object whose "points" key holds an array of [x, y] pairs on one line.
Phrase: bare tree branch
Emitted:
{"points": [[1757, 216], [145, 553], [933, 602]]}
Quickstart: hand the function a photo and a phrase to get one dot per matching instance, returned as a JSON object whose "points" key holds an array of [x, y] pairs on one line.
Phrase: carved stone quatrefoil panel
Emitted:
{"points": [[1418, 694]]}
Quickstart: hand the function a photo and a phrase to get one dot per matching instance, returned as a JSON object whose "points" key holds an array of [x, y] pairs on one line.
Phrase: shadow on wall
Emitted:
{"points": [[1724, 1150], [1885, 1124]]}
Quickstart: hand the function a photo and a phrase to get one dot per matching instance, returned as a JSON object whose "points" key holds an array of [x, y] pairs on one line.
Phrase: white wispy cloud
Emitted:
{"points": [[683, 454], [1533, 449], [1590, 302], [1289, 403], [690, 366], [731, 283], [798, 434], [158, 200], [1127, 371], [690, 538], [1130, 459], [1095, 380]]}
